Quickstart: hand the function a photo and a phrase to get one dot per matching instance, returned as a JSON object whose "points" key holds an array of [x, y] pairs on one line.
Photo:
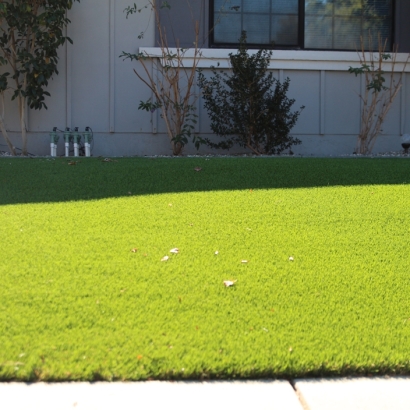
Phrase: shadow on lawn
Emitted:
{"points": [[25, 180]]}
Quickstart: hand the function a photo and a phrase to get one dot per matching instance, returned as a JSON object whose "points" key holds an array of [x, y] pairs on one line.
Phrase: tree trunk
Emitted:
{"points": [[4, 131], [22, 112], [6, 137], [176, 148]]}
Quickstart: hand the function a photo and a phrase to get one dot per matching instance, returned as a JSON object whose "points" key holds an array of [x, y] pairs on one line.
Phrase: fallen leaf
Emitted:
{"points": [[174, 250], [229, 283], [134, 250], [197, 169], [165, 258], [291, 258], [139, 357], [72, 163], [169, 204], [265, 330], [244, 261]]}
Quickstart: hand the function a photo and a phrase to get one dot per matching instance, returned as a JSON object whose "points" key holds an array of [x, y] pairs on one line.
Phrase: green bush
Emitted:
{"points": [[249, 107]]}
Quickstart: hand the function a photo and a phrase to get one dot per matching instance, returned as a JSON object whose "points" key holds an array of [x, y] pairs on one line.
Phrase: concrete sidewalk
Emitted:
{"points": [[312, 394]]}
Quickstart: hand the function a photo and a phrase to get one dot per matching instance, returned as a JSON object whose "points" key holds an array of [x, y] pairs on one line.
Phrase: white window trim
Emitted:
{"points": [[281, 59]]}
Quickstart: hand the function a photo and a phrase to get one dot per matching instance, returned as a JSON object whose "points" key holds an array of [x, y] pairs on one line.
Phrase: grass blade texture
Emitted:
{"points": [[317, 251]]}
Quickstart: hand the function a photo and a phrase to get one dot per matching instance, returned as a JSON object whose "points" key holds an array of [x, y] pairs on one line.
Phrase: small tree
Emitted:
{"points": [[31, 31], [171, 82], [249, 107], [378, 97]]}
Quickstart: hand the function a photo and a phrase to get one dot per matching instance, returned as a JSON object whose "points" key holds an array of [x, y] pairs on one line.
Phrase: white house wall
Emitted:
{"points": [[96, 88], [89, 66], [309, 121]]}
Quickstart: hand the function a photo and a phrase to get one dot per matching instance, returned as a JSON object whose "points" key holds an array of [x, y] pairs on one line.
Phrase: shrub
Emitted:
{"points": [[379, 95], [249, 107]]}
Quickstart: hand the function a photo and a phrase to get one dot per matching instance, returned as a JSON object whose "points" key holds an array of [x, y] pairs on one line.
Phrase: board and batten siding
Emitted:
{"points": [[96, 88]]}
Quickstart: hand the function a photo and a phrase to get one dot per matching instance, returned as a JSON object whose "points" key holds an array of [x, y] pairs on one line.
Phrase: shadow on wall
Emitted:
{"points": [[24, 180]]}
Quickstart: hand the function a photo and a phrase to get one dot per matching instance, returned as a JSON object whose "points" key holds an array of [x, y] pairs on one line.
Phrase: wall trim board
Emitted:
{"points": [[281, 59]]}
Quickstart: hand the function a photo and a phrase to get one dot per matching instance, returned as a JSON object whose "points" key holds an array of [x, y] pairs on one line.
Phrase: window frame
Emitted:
{"points": [[301, 33]]}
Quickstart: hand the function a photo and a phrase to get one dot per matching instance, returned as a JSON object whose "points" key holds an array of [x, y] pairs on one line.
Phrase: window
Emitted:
{"points": [[302, 24]]}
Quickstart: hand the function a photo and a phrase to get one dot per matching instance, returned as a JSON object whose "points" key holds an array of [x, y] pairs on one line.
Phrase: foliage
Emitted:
{"points": [[379, 94], [31, 31], [78, 304], [171, 82], [188, 121], [249, 107]]}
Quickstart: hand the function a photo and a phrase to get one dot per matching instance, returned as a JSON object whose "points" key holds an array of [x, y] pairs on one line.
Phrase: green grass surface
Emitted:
{"points": [[77, 304]]}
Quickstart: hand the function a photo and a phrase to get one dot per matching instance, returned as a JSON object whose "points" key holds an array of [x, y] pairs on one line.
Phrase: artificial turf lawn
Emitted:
{"points": [[76, 303]]}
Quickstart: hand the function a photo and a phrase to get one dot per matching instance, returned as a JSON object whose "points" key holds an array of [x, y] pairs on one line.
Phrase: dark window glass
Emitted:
{"points": [[309, 24], [267, 22]]}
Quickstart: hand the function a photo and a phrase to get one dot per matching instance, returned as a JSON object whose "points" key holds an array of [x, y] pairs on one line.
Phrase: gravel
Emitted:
{"points": [[389, 154]]}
